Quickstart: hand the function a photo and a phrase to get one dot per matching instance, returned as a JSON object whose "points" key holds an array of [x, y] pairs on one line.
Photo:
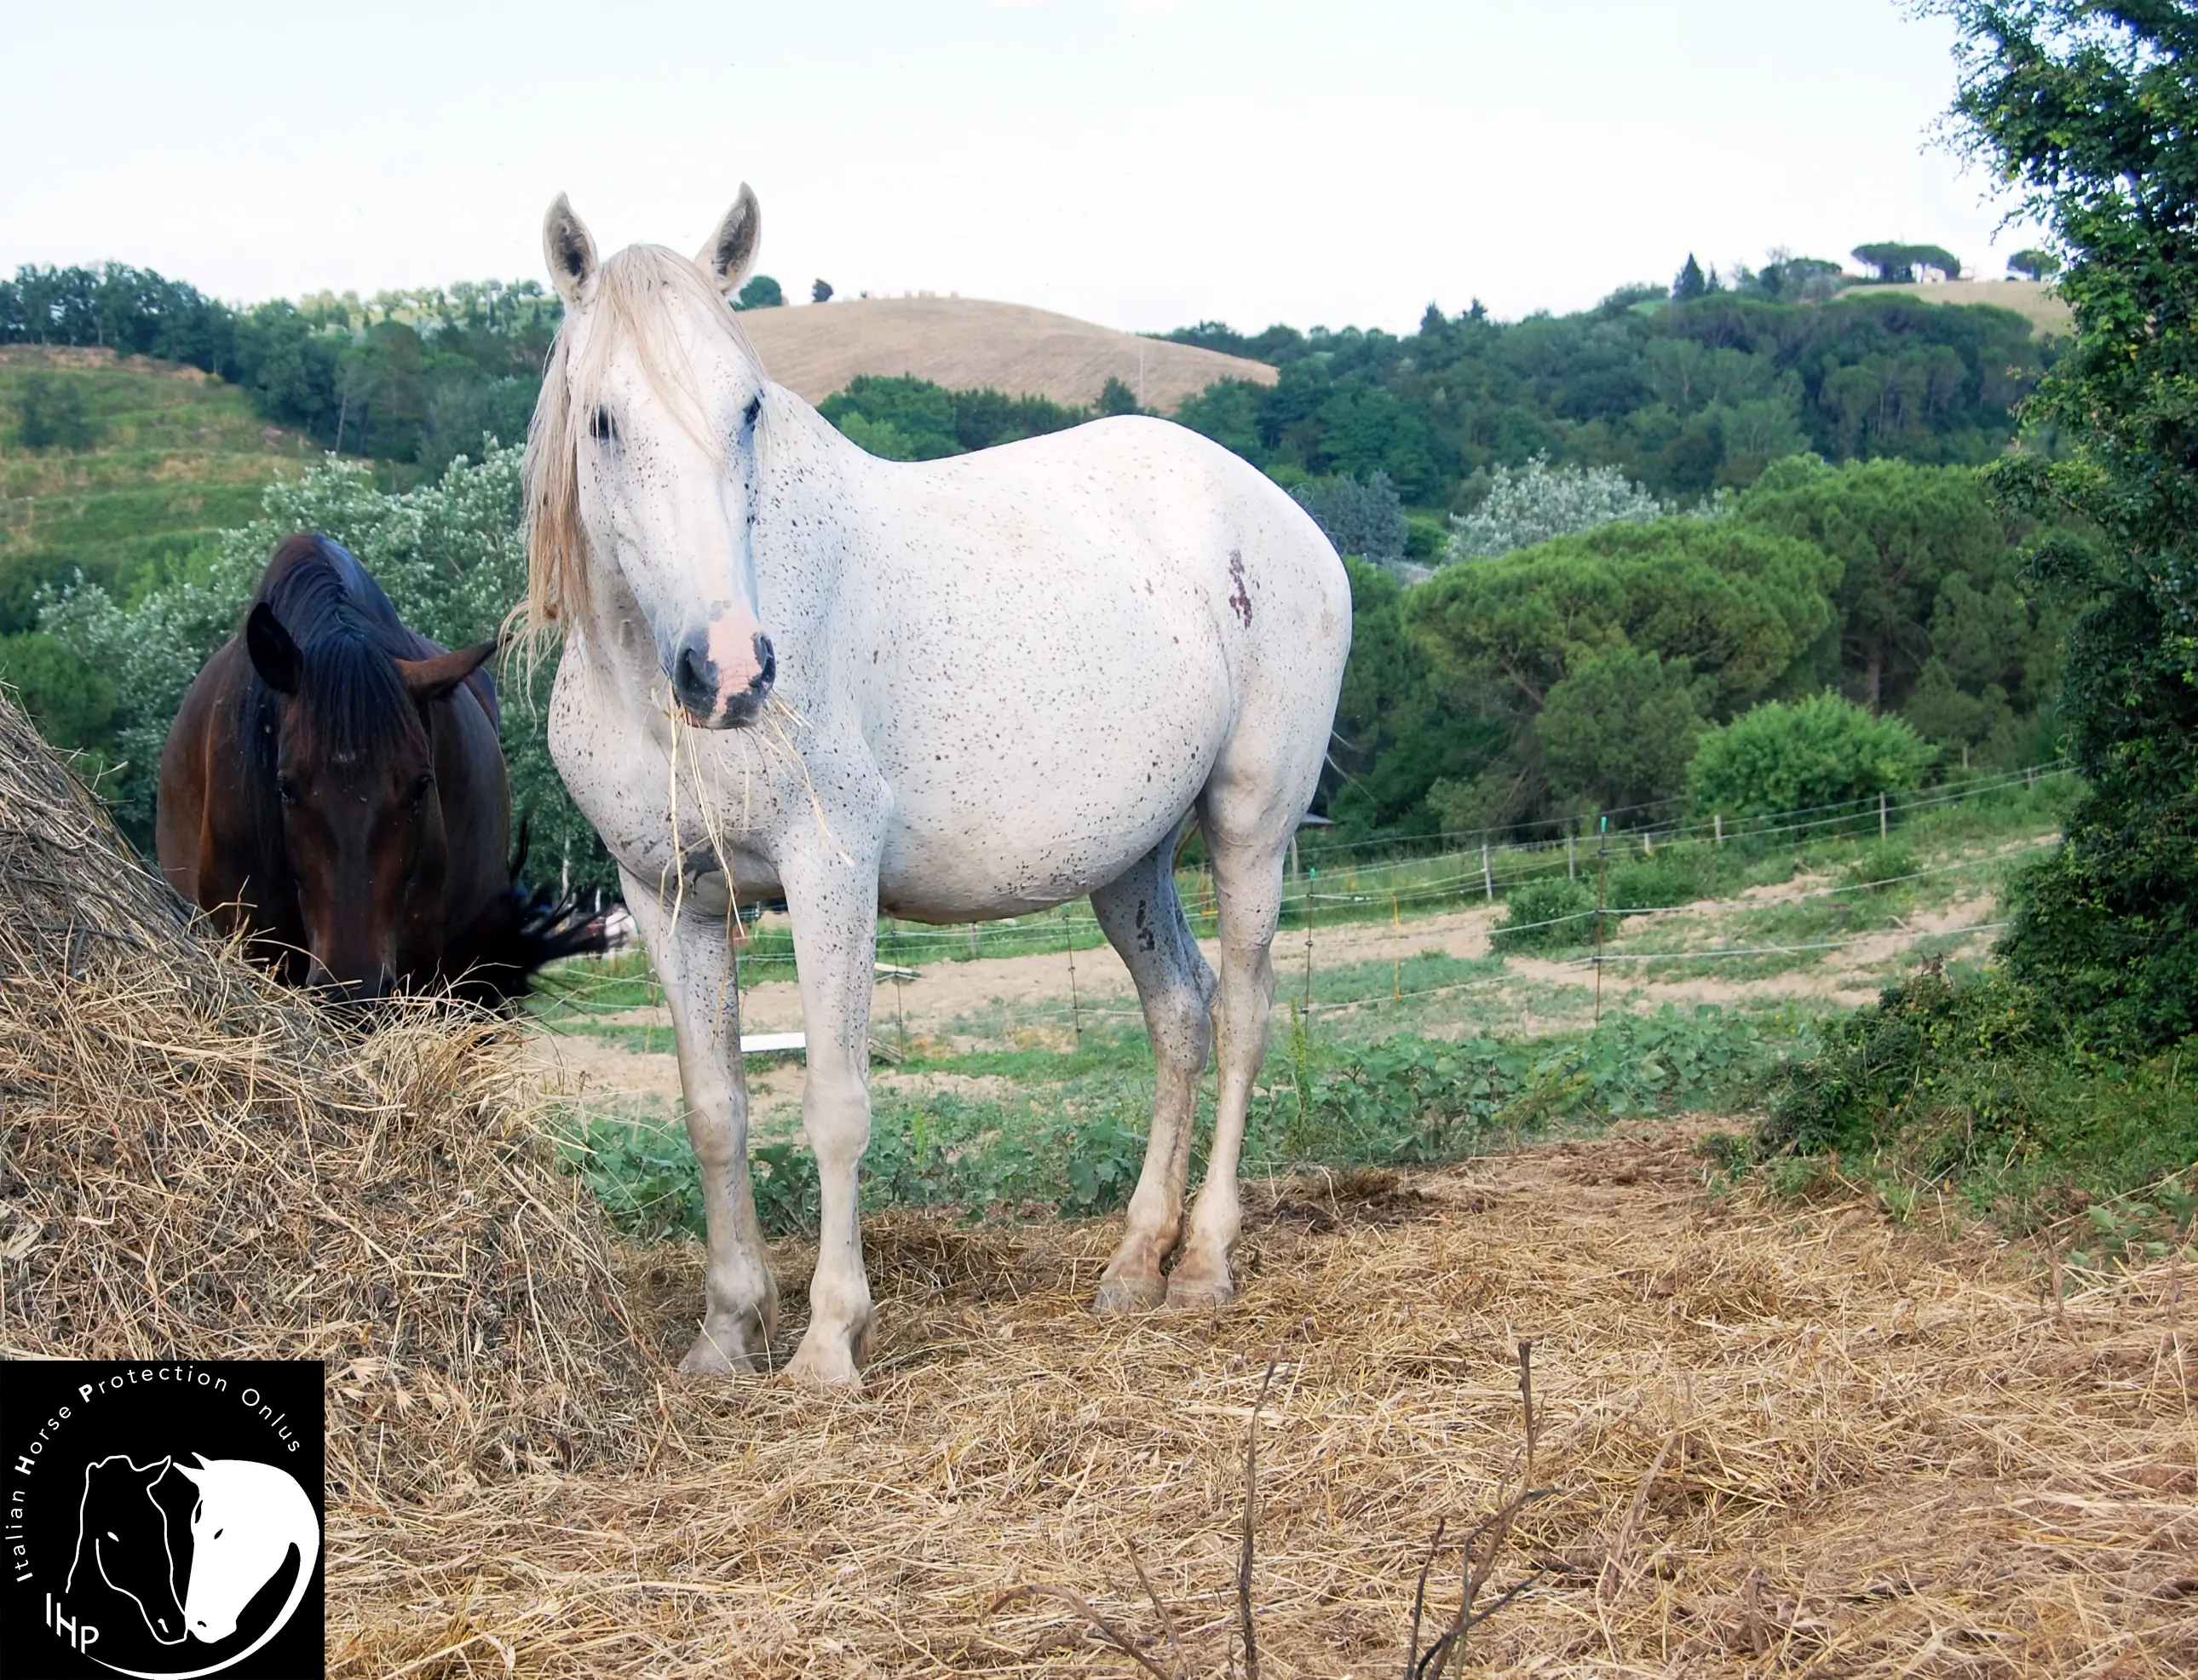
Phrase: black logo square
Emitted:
{"points": [[162, 1517]]}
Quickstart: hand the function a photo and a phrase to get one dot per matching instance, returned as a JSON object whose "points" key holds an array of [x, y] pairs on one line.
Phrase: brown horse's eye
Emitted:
{"points": [[286, 789], [602, 427], [420, 787]]}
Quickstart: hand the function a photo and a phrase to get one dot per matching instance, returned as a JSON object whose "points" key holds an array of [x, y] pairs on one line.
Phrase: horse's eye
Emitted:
{"points": [[218, 1532], [754, 408], [286, 789], [602, 427], [112, 1535], [420, 787]]}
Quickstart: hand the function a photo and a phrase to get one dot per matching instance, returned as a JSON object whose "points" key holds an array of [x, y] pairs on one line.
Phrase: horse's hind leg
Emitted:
{"points": [[1247, 833], [1143, 920], [693, 955]]}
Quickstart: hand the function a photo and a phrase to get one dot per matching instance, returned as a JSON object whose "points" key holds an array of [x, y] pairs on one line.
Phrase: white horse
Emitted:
{"points": [[957, 690], [248, 1518]]}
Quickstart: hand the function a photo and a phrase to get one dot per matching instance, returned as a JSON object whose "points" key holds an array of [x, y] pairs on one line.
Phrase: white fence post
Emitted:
{"points": [[1487, 880]]}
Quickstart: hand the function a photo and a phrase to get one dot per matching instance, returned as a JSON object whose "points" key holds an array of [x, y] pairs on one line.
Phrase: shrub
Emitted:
{"points": [[1674, 877], [1551, 913], [1802, 755], [69, 698], [1880, 866], [51, 414], [1976, 1081], [1539, 501], [1366, 519]]}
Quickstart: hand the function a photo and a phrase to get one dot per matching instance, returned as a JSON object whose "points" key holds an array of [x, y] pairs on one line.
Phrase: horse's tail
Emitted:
{"points": [[521, 931]]}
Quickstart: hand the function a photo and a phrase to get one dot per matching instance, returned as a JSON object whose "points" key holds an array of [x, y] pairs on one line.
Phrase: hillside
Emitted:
{"points": [[2034, 300], [965, 343], [165, 457]]}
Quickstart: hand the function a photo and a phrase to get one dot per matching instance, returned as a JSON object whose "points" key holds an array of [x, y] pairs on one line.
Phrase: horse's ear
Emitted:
{"points": [[730, 252], [427, 680], [197, 1475], [275, 656], [569, 250]]}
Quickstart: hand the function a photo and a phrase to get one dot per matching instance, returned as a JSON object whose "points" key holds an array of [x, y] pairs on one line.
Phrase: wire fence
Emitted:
{"points": [[1478, 878]]}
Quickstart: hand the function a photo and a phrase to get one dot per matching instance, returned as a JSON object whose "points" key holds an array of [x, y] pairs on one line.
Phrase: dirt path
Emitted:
{"points": [[1023, 1001]]}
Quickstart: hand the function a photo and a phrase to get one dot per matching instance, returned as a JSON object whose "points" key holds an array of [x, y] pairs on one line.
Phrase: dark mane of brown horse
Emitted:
{"points": [[349, 633]]}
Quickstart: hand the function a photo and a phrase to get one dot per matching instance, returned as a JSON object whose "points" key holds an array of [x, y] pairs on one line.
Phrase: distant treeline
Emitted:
{"points": [[1685, 397], [411, 376]]}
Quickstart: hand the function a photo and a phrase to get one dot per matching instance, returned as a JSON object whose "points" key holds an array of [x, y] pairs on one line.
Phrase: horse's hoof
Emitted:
{"points": [[1131, 1294], [826, 1366], [720, 1356], [1200, 1294]]}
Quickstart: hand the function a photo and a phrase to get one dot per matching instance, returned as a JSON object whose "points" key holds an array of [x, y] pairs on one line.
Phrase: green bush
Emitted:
{"points": [[1553, 914], [1976, 1083], [1803, 755], [70, 699], [1678, 875], [1880, 866], [49, 414]]}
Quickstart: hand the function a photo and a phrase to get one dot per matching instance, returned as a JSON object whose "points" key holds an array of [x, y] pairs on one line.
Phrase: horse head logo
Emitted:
{"points": [[122, 1539], [248, 1518]]}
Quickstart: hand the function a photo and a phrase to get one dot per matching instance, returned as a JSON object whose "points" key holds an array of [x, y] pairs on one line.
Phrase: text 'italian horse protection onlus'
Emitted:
{"points": [[955, 690]]}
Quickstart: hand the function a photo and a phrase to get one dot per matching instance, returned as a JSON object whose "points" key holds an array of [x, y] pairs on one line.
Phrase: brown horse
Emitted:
{"points": [[333, 788]]}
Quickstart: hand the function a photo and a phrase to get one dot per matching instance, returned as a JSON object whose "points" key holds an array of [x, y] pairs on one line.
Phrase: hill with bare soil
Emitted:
{"points": [[2034, 300], [967, 343]]}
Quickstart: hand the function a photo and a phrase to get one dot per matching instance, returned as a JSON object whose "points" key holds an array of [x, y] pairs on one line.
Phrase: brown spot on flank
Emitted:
{"points": [[1241, 601]]}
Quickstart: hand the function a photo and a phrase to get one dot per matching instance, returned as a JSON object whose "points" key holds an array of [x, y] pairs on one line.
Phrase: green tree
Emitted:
{"points": [[2089, 113], [820, 291], [1803, 755], [1898, 260], [71, 701], [1737, 603], [1117, 398], [761, 291], [2034, 264], [1398, 735], [1933, 620], [1689, 283], [49, 414], [1620, 729]]}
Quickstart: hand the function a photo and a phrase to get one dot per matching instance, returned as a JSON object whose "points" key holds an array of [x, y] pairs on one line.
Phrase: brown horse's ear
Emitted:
{"points": [[275, 656], [432, 679]]}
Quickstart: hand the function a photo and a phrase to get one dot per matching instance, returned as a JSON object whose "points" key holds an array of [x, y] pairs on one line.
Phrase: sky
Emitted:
{"points": [[1141, 163]]}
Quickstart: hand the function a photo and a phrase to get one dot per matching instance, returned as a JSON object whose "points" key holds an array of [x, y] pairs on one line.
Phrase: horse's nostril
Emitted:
{"points": [[766, 663]]}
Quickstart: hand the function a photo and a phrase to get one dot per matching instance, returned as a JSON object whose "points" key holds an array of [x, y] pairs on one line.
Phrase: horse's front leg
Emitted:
{"points": [[693, 954], [834, 907]]}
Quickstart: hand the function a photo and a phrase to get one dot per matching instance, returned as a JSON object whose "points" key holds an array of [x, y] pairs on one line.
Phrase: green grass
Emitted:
{"points": [[173, 458], [1960, 1085], [1070, 1139]]}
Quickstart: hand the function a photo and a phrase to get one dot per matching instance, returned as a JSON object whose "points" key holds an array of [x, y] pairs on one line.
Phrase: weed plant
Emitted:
{"points": [[1964, 1087]]}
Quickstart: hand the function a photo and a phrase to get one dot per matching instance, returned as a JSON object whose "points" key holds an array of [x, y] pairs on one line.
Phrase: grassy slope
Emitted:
{"points": [[176, 457]]}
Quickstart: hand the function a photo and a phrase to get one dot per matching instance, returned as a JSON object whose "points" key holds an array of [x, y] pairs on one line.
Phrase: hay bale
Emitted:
{"points": [[196, 1163]]}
